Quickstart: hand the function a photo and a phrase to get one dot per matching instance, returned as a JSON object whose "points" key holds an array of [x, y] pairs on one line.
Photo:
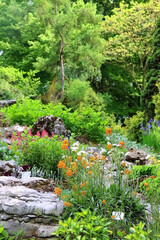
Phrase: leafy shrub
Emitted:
{"points": [[40, 152], [91, 99], [137, 233], [148, 170], [133, 126], [17, 84], [84, 121], [85, 225], [28, 111]]}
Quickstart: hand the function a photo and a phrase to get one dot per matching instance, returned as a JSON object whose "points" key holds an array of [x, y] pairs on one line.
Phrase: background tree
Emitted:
{"points": [[128, 35], [153, 74]]}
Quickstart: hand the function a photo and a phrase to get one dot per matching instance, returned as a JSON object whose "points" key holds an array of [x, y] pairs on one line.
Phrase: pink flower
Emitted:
{"points": [[19, 134], [44, 133], [38, 134], [29, 132], [25, 126], [52, 134]]}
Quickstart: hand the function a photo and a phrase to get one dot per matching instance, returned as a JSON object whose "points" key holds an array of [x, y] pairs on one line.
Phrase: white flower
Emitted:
{"points": [[76, 144], [74, 149], [118, 215], [81, 153]]}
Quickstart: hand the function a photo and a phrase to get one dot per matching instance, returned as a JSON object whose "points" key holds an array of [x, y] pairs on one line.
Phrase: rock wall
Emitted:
{"points": [[24, 208]]}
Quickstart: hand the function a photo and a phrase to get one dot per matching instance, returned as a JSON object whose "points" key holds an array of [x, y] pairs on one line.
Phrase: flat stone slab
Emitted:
{"points": [[25, 208]]}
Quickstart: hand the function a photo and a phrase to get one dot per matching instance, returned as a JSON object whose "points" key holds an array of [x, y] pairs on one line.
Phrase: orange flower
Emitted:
{"points": [[152, 177], [123, 232], [79, 158], [121, 143], [83, 193], [82, 185], [64, 196], [84, 162], [127, 171], [90, 172], [109, 146], [69, 173], [66, 142], [108, 131], [123, 164], [113, 216], [67, 204], [61, 164], [58, 191], [64, 146], [146, 184], [104, 202]]}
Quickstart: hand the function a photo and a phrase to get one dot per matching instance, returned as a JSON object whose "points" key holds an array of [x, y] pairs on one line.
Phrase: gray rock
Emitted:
{"points": [[5, 103], [24, 208], [136, 156]]}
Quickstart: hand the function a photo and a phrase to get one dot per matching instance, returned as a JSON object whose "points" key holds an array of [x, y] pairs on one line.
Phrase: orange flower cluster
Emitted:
{"points": [[104, 202], [113, 216], [79, 158], [109, 146], [64, 196], [82, 185], [152, 177], [108, 131], [65, 144], [69, 173], [121, 143], [83, 193], [58, 191], [127, 171], [90, 172], [61, 164], [67, 204]]}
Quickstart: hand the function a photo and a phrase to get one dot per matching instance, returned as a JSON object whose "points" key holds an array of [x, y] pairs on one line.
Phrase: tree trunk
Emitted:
{"points": [[62, 66]]}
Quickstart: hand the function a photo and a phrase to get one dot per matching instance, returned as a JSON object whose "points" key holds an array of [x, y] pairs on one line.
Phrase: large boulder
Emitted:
{"points": [[52, 125], [22, 207], [136, 156]]}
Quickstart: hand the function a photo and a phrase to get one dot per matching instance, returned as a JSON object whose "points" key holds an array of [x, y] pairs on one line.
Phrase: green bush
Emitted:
{"points": [[91, 99], [86, 121], [28, 111], [43, 153], [133, 126], [85, 225], [17, 84], [83, 121], [137, 233]]}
